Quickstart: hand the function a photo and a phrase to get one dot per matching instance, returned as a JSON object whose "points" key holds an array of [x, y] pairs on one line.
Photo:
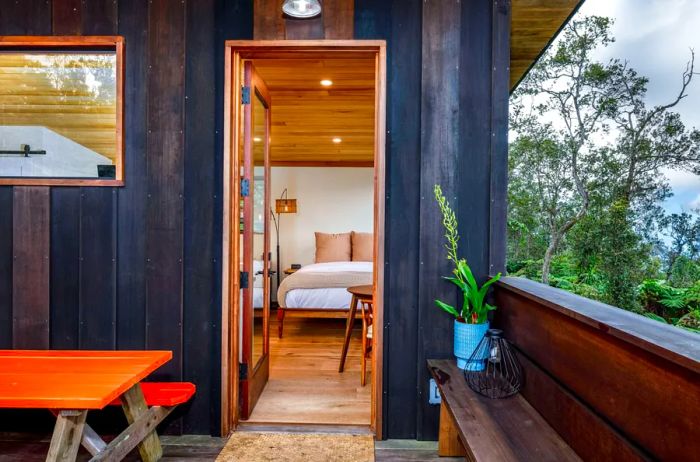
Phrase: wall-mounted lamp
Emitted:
{"points": [[301, 9]]}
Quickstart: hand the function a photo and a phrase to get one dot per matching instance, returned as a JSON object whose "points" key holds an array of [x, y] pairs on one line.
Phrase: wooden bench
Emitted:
{"points": [[168, 394], [483, 429]]}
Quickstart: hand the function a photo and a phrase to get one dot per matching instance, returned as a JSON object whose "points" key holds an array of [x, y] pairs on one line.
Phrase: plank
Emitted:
{"points": [[201, 350], [99, 17], [496, 429], [338, 19], [28, 17], [500, 75], [586, 357], [65, 267], [132, 198], [268, 21], [98, 268], [66, 17], [135, 409], [304, 29], [6, 199], [30, 275], [165, 210], [440, 145], [67, 434]]}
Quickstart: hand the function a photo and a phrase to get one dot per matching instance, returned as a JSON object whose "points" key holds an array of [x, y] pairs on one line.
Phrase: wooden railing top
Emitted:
{"points": [[672, 343]]}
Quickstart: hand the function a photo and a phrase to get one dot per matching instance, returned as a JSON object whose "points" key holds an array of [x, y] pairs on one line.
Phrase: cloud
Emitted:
{"points": [[695, 204]]}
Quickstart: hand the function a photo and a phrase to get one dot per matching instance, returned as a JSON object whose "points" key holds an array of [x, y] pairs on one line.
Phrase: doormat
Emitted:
{"points": [[297, 447]]}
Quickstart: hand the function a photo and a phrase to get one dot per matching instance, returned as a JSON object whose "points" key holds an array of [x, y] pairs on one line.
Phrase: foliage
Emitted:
{"points": [[587, 163], [474, 307]]}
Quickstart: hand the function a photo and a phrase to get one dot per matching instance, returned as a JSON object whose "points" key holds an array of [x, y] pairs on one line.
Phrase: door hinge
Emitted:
{"points": [[242, 371], [244, 279], [245, 187], [245, 95]]}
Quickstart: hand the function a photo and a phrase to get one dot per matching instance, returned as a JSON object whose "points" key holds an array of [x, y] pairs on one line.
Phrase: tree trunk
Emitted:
{"points": [[548, 256]]}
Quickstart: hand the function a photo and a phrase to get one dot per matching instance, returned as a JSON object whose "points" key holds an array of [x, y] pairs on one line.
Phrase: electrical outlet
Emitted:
{"points": [[434, 394]]}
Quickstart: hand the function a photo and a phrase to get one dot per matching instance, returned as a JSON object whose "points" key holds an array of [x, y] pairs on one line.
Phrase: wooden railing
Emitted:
{"points": [[615, 385]]}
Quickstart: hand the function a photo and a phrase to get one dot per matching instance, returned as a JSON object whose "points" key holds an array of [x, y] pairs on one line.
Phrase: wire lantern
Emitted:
{"points": [[495, 371]]}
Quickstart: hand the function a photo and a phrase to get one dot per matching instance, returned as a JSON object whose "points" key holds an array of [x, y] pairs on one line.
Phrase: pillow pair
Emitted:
{"points": [[344, 247]]}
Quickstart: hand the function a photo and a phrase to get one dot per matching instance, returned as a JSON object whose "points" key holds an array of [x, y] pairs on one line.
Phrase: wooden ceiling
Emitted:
{"points": [[33, 94], [306, 116], [534, 24]]}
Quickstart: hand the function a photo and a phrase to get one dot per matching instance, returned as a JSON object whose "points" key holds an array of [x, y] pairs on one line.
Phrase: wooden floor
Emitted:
{"points": [[305, 386]]}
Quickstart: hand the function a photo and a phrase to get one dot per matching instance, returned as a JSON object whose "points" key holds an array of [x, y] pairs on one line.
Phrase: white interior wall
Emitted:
{"points": [[329, 200]]}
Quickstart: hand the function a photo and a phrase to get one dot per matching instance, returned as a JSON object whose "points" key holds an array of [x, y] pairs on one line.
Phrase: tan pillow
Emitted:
{"points": [[362, 246], [332, 247]]}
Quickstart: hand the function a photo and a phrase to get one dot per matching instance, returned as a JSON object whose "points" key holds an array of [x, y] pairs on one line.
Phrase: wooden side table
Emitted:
{"points": [[359, 294], [289, 271]]}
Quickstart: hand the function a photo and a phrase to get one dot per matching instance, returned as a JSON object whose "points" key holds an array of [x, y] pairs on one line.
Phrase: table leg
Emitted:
{"points": [[348, 331], [135, 406], [67, 434]]}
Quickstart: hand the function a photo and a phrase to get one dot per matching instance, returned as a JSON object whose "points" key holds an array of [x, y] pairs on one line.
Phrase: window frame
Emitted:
{"points": [[79, 43]]}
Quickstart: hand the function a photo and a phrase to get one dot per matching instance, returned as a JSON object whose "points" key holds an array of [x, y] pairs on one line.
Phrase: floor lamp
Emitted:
{"points": [[282, 205]]}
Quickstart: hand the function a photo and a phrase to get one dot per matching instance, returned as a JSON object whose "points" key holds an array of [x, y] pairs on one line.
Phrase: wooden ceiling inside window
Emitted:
{"points": [[306, 116], [534, 24]]}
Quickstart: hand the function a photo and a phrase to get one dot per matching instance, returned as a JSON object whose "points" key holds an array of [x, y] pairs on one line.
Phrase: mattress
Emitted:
{"points": [[326, 297]]}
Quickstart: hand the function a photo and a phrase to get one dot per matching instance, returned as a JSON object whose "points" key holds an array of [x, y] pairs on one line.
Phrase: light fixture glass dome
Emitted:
{"points": [[302, 9]]}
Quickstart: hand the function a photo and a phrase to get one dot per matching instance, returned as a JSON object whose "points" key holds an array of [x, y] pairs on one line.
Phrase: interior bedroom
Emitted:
{"points": [[312, 204]]}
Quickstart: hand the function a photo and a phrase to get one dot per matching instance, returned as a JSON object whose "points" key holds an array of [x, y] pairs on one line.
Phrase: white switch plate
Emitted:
{"points": [[434, 396]]}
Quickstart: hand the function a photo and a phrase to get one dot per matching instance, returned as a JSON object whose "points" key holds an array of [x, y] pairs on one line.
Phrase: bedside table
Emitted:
{"points": [[291, 270]]}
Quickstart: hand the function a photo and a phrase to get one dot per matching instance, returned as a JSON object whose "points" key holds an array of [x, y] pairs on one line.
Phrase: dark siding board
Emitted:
{"points": [[66, 17], [303, 29], [99, 17], [132, 200], [97, 268], [25, 17], [201, 358], [30, 273], [338, 18], [475, 126], [65, 267], [440, 140], [165, 148], [371, 20], [6, 199], [500, 76], [403, 212]]}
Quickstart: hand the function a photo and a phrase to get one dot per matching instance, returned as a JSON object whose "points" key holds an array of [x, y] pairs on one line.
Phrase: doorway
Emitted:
{"points": [[251, 336]]}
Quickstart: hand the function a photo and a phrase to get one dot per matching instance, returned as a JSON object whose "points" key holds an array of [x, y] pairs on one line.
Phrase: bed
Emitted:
{"points": [[319, 290]]}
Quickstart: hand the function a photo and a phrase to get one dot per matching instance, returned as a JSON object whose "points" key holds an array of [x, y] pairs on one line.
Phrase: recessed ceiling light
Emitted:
{"points": [[337, 140], [326, 82], [257, 139]]}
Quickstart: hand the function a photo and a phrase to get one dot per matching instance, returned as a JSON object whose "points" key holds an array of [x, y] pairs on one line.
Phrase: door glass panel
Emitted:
{"points": [[259, 258]]}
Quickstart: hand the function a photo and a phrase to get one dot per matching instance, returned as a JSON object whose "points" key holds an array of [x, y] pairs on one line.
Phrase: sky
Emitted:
{"points": [[655, 37]]}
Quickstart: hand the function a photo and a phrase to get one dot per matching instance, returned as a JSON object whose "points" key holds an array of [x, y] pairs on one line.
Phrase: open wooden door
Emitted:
{"points": [[255, 277]]}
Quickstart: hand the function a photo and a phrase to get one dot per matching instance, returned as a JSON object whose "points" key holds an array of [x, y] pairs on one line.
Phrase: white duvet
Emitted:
{"points": [[330, 298]]}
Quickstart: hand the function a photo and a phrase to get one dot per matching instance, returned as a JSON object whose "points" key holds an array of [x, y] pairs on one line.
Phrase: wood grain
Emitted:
{"points": [[6, 259], [586, 359], [66, 17], [268, 21], [30, 276], [338, 19]]}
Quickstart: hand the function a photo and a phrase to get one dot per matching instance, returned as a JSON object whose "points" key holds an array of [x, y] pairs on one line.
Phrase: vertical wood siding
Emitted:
{"points": [[132, 267], [138, 266]]}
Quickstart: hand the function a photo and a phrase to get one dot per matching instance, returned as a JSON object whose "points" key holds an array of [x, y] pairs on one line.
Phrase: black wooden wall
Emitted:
{"points": [[447, 109], [138, 267]]}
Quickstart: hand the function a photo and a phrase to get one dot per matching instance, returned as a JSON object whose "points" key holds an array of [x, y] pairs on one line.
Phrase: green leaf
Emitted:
{"points": [[449, 308]]}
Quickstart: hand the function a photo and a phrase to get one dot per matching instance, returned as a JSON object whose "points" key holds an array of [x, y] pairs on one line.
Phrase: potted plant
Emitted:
{"points": [[471, 321]]}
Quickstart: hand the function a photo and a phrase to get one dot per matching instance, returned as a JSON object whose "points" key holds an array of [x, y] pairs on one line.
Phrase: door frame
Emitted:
{"points": [[235, 52]]}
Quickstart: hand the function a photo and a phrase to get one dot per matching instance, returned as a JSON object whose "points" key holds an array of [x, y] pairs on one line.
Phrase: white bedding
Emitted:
{"points": [[326, 298]]}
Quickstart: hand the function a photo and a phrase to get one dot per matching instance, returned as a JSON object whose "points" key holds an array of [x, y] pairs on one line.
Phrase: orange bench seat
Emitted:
{"points": [[164, 393]]}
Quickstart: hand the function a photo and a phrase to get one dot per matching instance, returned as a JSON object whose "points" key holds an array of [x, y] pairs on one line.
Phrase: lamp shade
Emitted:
{"points": [[301, 9], [286, 205]]}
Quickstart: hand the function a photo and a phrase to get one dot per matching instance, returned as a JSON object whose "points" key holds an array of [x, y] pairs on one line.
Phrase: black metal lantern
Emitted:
{"points": [[493, 369]]}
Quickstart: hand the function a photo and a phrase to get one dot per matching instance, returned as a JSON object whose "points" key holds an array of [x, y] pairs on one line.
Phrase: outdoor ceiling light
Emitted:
{"points": [[302, 9]]}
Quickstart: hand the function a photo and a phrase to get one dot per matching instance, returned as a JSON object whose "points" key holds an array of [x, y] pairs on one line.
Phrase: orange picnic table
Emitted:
{"points": [[70, 383]]}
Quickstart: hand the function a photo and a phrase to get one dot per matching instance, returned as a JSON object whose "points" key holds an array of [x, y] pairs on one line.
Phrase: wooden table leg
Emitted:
{"points": [[67, 434], [135, 406], [449, 444], [348, 331]]}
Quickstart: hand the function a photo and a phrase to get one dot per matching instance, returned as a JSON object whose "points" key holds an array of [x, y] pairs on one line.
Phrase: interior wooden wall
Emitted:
{"points": [[138, 266]]}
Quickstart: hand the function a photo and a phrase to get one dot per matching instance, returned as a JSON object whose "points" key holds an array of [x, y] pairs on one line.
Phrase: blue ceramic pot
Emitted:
{"points": [[467, 337]]}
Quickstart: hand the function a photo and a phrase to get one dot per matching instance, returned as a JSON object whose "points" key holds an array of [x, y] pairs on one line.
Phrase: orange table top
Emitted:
{"points": [[57, 379]]}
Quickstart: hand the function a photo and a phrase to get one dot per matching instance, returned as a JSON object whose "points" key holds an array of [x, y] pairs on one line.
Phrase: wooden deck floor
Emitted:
{"points": [[305, 386]]}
